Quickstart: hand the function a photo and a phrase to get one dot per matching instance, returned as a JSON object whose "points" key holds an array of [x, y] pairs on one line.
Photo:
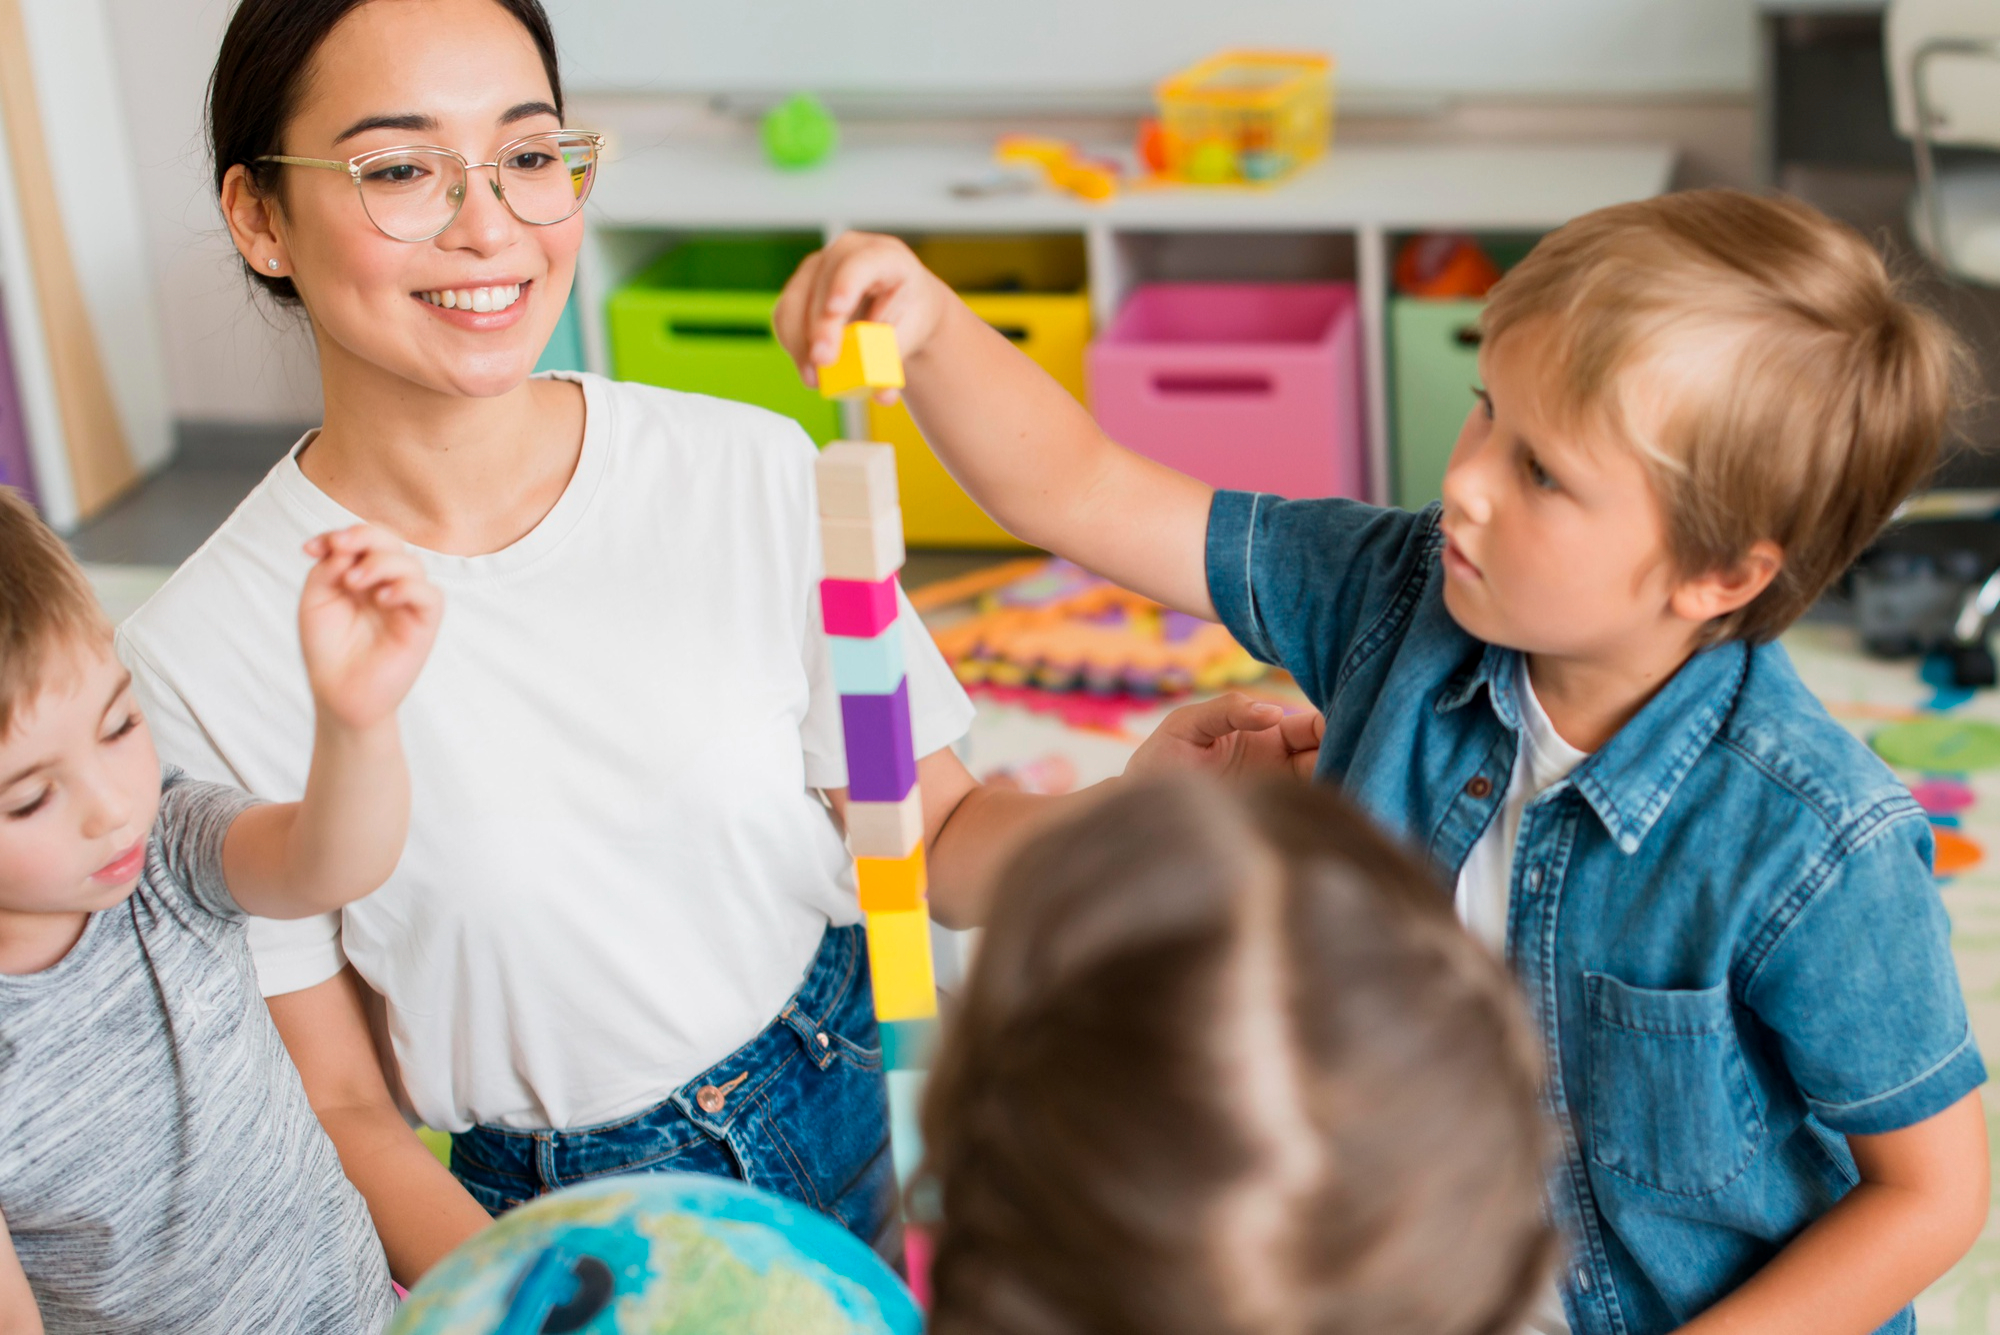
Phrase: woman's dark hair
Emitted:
{"points": [[1227, 1063], [261, 71]]}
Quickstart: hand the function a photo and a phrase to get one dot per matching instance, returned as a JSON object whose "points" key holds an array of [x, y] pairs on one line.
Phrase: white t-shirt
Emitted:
{"points": [[1485, 882], [618, 870]]}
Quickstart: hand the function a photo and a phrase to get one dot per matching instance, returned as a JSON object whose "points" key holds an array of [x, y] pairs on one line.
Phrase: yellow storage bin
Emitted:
{"points": [[1030, 289]]}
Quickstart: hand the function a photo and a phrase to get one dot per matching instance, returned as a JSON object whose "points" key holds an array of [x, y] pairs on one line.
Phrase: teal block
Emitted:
{"points": [[906, 1137], [907, 1045], [869, 667]]}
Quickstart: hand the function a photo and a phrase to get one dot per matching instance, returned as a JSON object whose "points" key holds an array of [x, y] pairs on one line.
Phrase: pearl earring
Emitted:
{"points": [[271, 263]]}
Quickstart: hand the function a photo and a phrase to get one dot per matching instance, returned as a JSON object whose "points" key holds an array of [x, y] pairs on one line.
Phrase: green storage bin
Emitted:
{"points": [[1433, 364], [699, 318]]}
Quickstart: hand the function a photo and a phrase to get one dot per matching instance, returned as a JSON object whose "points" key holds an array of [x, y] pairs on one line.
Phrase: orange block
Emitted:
{"points": [[892, 885], [1955, 853]]}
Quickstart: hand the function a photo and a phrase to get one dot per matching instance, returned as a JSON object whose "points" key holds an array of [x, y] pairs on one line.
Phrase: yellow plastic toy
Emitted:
{"points": [[868, 361], [1063, 164], [892, 885], [1242, 118]]}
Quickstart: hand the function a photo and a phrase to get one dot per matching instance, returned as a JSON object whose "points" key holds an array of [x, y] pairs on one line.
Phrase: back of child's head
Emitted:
{"points": [[47, 609], [1796, 394], [1226, 1062]]}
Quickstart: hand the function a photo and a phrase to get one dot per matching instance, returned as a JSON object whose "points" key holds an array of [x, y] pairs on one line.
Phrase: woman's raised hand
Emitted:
{"points": [[367, 619], [859, 276]]}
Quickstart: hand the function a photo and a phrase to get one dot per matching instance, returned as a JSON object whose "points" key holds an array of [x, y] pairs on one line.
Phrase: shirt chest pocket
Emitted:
{"points": [[1671, 1104]]}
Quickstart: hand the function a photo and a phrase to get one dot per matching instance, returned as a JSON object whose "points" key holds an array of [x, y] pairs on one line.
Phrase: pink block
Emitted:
{"points": [[1250, 386], [858, 608]]}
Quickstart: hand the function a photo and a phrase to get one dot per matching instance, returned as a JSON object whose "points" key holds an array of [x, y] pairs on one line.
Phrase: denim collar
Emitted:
{"points": [[1631, 778]]}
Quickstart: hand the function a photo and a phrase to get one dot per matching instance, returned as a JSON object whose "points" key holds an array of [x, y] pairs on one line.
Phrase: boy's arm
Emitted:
{"points": [[420, 1210], [1920, 1205], [1024, 449], [366, 623], [18, 1313]]}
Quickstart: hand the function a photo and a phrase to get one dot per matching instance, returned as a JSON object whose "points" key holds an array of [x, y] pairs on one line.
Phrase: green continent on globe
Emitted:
{"points": [[799, 132]]}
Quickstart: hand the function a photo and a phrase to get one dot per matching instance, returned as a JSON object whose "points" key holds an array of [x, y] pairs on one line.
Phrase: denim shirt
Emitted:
{"points": [[1724, 920]]}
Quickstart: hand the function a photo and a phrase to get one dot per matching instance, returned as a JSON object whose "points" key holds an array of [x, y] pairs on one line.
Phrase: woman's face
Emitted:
{"points": [[458, 74]]}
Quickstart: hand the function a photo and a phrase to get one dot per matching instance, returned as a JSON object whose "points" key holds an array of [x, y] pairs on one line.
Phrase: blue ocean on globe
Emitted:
{"points": [[661, 1254]]}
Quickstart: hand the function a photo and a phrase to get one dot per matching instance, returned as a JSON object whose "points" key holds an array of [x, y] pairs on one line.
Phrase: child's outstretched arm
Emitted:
{"points": [[1024, 449], [18, 1313], [366, 623], [1920, 1205]]}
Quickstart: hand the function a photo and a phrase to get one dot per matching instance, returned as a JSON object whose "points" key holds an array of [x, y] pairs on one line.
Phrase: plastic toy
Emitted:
{"points": [[868, 361], [1063, 165], [1444, 266], [799, 133], [857, 607], [892, 885], [1241, 118], [885, 829]]}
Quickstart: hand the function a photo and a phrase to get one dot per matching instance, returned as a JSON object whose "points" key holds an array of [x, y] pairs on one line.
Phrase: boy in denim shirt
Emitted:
{"points": [[1561, 685]]}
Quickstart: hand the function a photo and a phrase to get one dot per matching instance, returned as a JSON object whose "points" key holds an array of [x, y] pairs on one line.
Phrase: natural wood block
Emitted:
{"points": [[857, 480], [892, 885], [885, 829], [863, 549], [899, 958]]}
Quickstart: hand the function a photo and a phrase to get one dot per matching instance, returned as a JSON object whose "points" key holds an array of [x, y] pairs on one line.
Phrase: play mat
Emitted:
{"points": [[1944, 742]]}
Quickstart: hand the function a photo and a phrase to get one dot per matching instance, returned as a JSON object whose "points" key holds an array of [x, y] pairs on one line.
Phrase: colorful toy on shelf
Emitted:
{"points": [[1058, 628], [1063, 165], [799, 133], [1444, 266], [868, 361], [1241, 118]]}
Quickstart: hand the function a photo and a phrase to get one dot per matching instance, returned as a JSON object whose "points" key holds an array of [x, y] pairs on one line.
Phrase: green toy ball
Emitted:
{"points": [[800, 132]]}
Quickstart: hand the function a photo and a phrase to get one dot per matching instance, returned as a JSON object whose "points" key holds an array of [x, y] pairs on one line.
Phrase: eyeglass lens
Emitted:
{"points": [[413, 194]]}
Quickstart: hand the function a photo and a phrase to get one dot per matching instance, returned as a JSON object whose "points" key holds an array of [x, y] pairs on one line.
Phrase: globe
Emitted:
{"points": [[660, 1254]]}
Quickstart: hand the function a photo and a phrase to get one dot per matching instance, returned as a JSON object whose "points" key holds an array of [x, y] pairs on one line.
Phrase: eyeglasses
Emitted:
{"points": [[414, 193]]}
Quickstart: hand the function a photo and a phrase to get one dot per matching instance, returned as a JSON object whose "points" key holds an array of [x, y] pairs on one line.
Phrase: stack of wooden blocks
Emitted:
{"points": [[861, 527]]}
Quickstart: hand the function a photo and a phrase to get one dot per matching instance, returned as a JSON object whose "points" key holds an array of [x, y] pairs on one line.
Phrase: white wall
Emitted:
{"points": [[1459, 46], [227, 358]]}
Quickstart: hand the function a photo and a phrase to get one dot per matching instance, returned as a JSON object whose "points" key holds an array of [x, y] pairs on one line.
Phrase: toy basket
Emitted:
{"points": [[1246, 116]]}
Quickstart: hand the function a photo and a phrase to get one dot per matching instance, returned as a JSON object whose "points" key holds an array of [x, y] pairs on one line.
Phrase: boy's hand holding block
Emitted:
{"points": [[868, 361], [862, 529]]}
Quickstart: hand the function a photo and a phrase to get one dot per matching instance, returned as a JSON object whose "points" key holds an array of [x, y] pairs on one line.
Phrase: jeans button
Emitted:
{"points": [[1583, 1279], [822, 1039], [710, 1098], [1534, 878], [1479, 787]]}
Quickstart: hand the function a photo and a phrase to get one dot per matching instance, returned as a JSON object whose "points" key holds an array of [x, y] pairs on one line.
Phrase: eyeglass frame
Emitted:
{"points": [[353, 167]]}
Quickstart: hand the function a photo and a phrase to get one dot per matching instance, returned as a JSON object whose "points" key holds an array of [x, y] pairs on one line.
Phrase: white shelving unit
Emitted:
{"points": [[1338, 219]]}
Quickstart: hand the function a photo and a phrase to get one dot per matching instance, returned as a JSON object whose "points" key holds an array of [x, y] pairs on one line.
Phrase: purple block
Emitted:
{"points": [[861, 609], [881, 759]]}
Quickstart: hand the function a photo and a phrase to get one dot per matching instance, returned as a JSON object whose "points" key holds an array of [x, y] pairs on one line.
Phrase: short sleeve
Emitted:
{"points": [[1860, 988], [194, 820], [1300, 583], [290, 955], [940, 711]]}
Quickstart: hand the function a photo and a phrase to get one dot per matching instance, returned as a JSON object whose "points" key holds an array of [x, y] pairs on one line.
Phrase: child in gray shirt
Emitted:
{"points": [[160, 1169]]}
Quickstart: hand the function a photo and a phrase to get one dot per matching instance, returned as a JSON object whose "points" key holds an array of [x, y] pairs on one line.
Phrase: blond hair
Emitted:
{"points": [[46, 605], [1820, 392]]}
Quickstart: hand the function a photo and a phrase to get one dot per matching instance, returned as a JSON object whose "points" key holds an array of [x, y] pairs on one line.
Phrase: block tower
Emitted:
{"points": [[861, 526]]}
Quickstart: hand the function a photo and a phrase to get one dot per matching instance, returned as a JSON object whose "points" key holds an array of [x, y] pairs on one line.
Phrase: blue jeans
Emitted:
{"points": [[800, 1110]]}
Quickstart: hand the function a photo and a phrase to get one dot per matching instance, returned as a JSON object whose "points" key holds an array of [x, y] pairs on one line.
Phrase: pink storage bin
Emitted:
{"points": [[1249, 386]]}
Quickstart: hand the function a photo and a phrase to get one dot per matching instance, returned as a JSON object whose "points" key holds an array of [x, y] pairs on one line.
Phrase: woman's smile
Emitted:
{"points": [[484, 308]]}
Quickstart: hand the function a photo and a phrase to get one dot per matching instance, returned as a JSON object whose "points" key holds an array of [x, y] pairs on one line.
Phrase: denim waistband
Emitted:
{"points": [[708, 1105]]}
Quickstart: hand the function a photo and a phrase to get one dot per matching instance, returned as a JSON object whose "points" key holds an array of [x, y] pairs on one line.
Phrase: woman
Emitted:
{"points": [[621, 935]]}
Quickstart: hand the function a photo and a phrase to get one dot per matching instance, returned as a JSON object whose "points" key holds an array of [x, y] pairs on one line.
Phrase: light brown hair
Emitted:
{"points": [[46, 606], [1227, 1063], [1818, 396]]}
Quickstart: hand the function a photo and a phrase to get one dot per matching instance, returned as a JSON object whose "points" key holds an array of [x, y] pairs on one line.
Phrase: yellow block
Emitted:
{"points": [[892, 885], [1053, 330], [899, 957], [868, 361]]}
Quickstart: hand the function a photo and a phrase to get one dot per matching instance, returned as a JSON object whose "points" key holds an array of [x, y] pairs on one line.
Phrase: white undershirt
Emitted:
{"points": [[618, 869], [1486, 880]]}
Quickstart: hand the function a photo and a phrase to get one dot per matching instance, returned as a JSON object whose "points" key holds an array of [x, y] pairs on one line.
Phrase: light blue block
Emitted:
{"points": [[868, 667], [906, 1137]]}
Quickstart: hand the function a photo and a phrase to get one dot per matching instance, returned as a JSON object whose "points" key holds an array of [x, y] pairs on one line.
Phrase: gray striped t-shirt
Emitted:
{"points": [[160, 1169]]}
